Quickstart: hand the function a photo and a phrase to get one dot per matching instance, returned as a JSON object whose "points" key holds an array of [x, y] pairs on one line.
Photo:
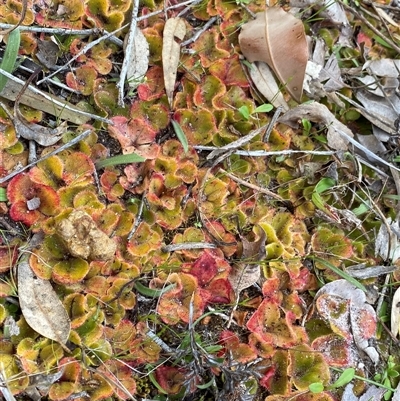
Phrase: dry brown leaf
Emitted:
{"points": [[395, 314], [40, 305], [42, 135], [83, 239], [245, 275], [319, 113], [139, 60], [278, 38], [264, 81], [174, 28]]}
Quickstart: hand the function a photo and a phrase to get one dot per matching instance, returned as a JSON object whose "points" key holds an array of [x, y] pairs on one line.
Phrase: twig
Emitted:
{"points": [[128, 53], [272, 123], [199, 32], [138, 218], [238, 143], [188, 245], [52, 81], [370, 26], [83, 51], [58, 103], [252, 186], [52, 153], [263, 153]]}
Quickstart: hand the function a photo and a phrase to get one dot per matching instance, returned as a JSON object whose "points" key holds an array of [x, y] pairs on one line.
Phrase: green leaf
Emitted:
{"points": [[316, 388], [149, 292], [10, 55], [121, 159], [340, 273], [181, 135], [245, 112], [318, 201], [206, 385], [324, 184], [3, 195], [306, 125], [264, 108], [363, 208], [346, 377], [212, 349]]}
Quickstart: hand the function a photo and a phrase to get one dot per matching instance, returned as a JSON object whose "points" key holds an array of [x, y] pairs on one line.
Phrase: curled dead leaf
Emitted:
{"points": [[40, 305], [42, 135], [83, 239], [278, 38], [244, 275], [319, 113], [174, 28]]}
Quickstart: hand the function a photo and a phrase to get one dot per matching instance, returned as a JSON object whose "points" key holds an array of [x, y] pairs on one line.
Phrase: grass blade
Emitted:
{"points": [[340, 273], [181, 135], [10, 55], [121, 159]]}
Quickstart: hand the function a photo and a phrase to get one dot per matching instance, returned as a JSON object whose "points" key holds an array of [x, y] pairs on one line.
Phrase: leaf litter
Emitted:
{"points": [[311, 214]]}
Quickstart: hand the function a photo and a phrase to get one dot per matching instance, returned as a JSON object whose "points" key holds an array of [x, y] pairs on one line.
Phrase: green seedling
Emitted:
{"points": [[322, 186], [346, 377], [245, 111], [391, 372]]}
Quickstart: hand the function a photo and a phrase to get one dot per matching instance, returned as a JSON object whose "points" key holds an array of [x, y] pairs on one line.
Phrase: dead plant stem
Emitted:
{"points": [[252, 186]]}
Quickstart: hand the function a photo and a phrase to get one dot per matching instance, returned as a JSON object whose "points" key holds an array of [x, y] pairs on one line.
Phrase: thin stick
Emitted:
{"points": [[238, 143], [272, 123], [58, 103], [187, 245], [54, 152], [370, 26], [199, 32], [83, 51], [263, 153], [138, 218], [128, 53], [252, 186]]}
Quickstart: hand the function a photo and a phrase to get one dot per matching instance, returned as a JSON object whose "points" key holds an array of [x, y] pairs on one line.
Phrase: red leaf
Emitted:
{"points": [[135, 136]]}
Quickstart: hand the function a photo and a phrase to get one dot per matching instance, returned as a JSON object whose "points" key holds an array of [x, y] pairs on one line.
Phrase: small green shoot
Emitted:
{"points": [[345, 377], [181, 135], [121, 159], [246, 114], [10, 55], [306, 126], [3, 195], [391, 372], [322, 186]]}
